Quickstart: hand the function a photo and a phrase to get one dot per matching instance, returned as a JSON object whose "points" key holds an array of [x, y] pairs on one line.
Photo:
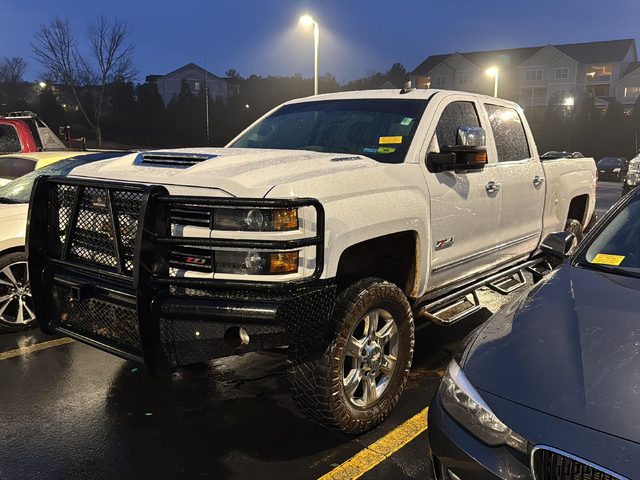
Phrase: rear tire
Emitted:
{"points": [[353, 380], [16, 304]]}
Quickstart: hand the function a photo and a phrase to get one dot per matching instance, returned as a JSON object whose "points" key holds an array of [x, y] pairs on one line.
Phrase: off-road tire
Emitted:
{"points": [[575, 227], [314, 368], [5, 261]]}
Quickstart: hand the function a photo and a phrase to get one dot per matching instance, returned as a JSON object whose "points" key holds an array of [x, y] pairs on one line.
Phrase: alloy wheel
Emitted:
{"points": [[370, 358], [16, 303]]}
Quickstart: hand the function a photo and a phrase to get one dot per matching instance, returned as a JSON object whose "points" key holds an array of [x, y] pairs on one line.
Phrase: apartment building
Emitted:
{"points": [[536, 77]]}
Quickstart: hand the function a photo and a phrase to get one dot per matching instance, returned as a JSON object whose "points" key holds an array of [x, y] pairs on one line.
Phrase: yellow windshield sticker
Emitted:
{"points": [[386, 140], [603, 259], [386, 150]]}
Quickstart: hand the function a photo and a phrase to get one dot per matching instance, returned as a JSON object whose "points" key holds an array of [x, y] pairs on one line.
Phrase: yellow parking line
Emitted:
{"points": [[380, 450], [34, 348]]}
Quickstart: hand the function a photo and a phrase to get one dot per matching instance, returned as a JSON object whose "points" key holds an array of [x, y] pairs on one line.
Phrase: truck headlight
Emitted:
{"points": [[256, 263], [463, 402], [255, 219]]}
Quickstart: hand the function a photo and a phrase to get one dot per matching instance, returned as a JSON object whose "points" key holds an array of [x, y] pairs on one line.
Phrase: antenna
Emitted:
{"points": [[206, 89]]}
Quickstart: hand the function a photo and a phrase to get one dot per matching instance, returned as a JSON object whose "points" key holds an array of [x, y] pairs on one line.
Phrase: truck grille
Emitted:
{"points": [[554, 465], [104, 229], [100, 319]]}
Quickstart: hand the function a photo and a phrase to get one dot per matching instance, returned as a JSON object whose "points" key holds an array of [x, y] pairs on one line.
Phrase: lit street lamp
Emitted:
{"points": [[42, 85], [308, 20], [494, 72]]}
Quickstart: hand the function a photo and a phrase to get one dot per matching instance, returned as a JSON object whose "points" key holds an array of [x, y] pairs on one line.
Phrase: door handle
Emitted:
{"points": [[492, 187], [537, 181]]}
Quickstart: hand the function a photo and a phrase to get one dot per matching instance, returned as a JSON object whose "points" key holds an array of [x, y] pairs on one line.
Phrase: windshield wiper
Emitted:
{"points": [[608, 269], [7, 200]]}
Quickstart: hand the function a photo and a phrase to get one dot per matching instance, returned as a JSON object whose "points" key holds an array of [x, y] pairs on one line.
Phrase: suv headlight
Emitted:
{"points": [[463, 402]]}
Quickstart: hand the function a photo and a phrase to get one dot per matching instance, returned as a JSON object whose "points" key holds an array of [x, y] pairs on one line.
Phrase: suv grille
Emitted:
{"points": [[553, 465], [105, 229]]}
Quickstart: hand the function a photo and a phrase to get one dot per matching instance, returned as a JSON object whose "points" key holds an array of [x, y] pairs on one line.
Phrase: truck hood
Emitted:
{"points": [[239, 172], [571, 349]]}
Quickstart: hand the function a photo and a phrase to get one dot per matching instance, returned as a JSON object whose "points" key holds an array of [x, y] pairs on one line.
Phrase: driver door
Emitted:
{"points": [[465, 206]]}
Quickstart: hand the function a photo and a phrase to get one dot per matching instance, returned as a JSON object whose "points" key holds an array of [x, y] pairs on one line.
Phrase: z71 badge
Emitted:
{"points": [[446, 243]]}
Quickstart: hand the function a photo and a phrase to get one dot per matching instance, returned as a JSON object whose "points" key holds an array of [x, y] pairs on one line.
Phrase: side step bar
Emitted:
{"points": [[464, 302]]}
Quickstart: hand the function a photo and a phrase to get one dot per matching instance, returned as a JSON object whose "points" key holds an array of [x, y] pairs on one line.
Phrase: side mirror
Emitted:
{"points": [[558, 244], [469, 152]]}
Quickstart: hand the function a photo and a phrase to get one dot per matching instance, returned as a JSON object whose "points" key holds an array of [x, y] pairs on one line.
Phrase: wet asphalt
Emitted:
{"points": [[73, 412]]}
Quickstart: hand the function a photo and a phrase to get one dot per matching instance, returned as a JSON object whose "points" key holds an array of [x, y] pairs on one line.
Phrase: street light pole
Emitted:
{"points": [[307, 20], [495, 73]]}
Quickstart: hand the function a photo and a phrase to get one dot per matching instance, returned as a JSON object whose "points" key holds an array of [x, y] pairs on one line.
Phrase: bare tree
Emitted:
{"points": [[12, 69], [108, 60]]}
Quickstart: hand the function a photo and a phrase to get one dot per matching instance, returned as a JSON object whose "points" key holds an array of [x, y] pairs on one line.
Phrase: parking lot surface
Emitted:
{"points": [[69, 411]]}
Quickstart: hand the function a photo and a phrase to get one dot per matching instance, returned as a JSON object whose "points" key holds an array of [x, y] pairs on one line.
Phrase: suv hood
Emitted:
{"points": [[240, 172], [570, 348]]}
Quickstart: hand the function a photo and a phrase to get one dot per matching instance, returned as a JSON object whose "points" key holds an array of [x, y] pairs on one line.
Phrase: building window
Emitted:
{"points": [[599, 74], [423, 82], [561, 94], [533, 75], [196, 86], [631, 92], [562, 73], [539, 93], [439, 81], [466, 79]]}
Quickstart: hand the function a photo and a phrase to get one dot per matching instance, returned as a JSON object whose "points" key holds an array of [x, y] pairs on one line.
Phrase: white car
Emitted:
{"points": [[328, 225], [16, 303]]}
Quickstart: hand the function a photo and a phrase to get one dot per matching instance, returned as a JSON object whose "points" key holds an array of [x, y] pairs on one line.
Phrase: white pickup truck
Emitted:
{"points": [[326, 226]]}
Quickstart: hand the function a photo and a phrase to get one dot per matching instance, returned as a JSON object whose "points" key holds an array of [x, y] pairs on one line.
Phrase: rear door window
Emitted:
{"points": [[508, 133], [12, 167], [454, 116], [9, 139]]}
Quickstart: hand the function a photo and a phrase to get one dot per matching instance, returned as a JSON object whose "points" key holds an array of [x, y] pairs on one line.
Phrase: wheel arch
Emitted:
{"points": [[394, 257]]}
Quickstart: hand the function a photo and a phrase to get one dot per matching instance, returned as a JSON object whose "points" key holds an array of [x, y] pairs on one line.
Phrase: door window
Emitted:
{"points": [[455, 115], [508, 133], [9, 140]]}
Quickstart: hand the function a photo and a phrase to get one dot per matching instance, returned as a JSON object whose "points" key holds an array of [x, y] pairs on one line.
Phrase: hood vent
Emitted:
{"points": [[172, 159]]}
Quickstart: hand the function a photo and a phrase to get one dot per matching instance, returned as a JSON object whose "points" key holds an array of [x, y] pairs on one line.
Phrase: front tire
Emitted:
{"points": [[16, 304], [353, 380]]}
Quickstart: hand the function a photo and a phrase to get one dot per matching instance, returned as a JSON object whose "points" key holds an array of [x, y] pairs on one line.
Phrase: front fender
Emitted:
{"points": [[355, 212], [13, 219]]}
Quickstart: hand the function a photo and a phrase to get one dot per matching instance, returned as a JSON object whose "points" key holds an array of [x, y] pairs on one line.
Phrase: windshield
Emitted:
{"points": [[19, 191], [617, 246], [611, 161], [380, 129]]}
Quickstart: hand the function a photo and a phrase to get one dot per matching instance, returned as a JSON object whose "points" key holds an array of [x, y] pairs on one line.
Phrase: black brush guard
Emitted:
{"points": [[99, 255]]}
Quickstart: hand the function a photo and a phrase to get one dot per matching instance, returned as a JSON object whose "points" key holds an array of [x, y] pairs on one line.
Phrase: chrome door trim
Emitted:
{"points": [[572, 457], [484, 253]]}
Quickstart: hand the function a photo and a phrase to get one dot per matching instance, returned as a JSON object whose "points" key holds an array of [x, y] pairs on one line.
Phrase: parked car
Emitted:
{"points": [[16, 305], [326, 226], [610, 168], [555, 154], [630, 174], [14, 166], [550, 383], [15, 137]]}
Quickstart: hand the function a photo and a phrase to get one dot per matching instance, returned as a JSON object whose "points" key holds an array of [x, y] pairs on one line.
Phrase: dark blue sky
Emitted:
{"points": [[262, 36]]}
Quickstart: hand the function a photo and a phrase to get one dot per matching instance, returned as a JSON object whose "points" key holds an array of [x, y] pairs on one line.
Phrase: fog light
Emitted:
{"points": [[284, 262]]}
